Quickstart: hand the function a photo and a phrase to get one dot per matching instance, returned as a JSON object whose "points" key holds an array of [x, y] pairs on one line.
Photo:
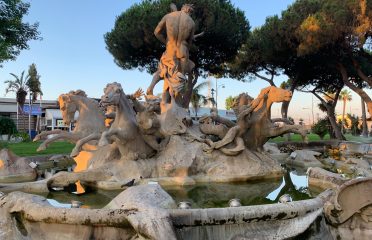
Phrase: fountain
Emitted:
{"points": [[158, 145]]}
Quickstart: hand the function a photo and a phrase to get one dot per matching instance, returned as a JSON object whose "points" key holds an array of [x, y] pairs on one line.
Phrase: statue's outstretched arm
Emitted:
{"points": [[192, 36], [138, 107], [199, 35]]}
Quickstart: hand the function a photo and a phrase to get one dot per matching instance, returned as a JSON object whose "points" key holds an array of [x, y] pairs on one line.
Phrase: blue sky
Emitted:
{"points": [[72, 54]]}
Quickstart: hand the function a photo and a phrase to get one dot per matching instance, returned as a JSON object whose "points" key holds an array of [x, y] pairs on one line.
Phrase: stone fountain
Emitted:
{"points": [[156, 141]]}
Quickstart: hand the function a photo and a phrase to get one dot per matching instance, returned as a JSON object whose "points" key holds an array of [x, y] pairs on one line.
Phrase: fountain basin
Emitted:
{"points": [[26, 215]]}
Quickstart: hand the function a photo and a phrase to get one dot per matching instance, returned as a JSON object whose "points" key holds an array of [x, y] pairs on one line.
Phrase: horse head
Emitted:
{"points": [[113, 92], [275, 94], [68, 105]]}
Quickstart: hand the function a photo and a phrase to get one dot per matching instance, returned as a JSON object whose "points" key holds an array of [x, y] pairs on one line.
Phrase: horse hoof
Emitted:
{"points": [[74, 153], [40, 148]]}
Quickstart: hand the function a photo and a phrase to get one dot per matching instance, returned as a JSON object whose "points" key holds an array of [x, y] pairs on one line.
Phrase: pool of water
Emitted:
{"points": [[207, 195], [214, 195], [94, 199]]}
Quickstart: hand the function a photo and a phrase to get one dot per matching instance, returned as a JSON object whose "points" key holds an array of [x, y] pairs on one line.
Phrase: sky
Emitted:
{"points": [[73, 55]]}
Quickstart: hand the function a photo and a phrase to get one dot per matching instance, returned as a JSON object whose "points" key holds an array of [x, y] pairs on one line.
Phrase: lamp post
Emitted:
{"points": [[212, 92], [309, 115], [29, 115], [312, 106], [218, 86]]}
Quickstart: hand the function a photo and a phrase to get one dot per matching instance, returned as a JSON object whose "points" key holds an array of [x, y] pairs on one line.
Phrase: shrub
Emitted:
{"points": [[4, 144], [320, 128], [23, 136], [355, 129], [7, 126]]}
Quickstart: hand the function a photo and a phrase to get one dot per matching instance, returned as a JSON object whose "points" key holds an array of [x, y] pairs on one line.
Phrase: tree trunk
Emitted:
{"points": [[343, 116], [357, 90], [284, 109], [361, 74], [284, 112], [331, 115], [333, 121], [364, 119]]}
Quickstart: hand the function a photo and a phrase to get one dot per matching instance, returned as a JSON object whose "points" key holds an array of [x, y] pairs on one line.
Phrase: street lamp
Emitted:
{"points": [[218, 86], [309, 115], [212, 91]]}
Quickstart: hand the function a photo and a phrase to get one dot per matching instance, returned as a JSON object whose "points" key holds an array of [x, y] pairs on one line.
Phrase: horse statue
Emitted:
{"points": [[254, 124], [124, 130], [91, 118]]}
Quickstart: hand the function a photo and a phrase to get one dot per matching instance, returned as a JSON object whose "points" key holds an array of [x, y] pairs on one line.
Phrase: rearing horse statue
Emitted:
{"points": [[254, 124], [91, 118], [124, 130]]}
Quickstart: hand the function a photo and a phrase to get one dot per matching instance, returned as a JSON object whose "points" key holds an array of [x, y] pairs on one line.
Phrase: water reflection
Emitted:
{"points": [[207, 195], [96, 199], [214, 195], [294, 183]]}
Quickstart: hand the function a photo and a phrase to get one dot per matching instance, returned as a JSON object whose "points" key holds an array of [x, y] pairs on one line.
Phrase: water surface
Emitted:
{"points": [[206, 195]]}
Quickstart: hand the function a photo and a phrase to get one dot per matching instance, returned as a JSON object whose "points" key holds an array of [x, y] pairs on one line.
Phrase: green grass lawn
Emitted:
{"points": [[314, 137], [29, 148]]}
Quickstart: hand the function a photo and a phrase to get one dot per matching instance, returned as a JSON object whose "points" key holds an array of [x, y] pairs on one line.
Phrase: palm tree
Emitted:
{"points": [[20, 88], [33, 82], [345, 96], [197, 99]]}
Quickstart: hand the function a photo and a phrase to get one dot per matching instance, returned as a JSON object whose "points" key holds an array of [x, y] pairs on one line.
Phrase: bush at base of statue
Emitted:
{"points": [[20, 137], [7, 128], [320, 128]]}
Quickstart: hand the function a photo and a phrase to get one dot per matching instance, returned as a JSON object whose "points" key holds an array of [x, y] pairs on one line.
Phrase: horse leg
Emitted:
{"points": [[79, 144], [64, 135], [105, 137], [46, 133], [277, 131]]}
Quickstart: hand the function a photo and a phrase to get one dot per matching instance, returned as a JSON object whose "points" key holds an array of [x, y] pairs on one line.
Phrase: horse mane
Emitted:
{"points": [[118, 85], [264, 91], [129, 112], [82, 95], [236, 102], [245, 95], [78, 92], [262, 97]]}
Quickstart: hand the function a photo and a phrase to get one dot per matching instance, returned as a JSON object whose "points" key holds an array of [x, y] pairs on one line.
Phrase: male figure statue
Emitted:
{"points": [[179, 28]]}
